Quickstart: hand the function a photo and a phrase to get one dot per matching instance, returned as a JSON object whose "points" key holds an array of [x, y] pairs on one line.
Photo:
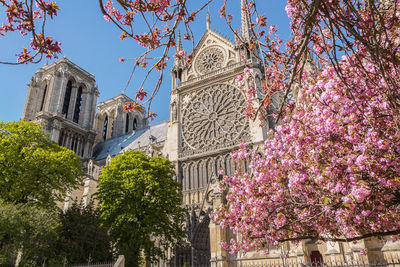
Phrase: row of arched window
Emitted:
{"points": [[196, 174], [127, 124]]}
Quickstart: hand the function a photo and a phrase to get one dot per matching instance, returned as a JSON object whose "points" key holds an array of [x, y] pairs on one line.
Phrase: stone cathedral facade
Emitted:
{"points": [[207, 121]]}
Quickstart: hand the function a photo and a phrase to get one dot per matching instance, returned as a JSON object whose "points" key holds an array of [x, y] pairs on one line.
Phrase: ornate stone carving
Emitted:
{"points": [[210, 59], [214, 117]]}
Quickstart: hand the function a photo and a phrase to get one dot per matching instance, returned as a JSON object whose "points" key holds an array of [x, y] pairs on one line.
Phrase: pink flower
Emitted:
{"points": [[239, 78], [360, 193], [140, 94], [363, 252], [181, 53]]}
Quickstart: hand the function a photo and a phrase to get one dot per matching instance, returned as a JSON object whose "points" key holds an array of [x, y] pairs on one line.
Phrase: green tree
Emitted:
{"points": [[141, 204], [33, 168], [28, 229], [82, 237]]}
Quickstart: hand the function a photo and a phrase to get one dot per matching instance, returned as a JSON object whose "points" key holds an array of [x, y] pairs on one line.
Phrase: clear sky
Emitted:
{"points": [[94, 44]]}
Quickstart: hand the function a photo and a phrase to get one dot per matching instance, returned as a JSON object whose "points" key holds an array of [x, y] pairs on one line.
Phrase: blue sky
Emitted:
{"points": [[94, 44]]}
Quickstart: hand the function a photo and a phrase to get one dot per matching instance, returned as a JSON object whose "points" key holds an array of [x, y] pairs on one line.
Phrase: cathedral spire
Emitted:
{"points": [[178, 61], [208, 22], [245, 20], [179, 42]]}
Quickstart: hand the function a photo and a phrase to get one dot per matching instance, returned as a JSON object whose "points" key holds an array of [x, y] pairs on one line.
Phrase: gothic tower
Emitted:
{"points": [[207, 122], [62, 97], [112, 121]]}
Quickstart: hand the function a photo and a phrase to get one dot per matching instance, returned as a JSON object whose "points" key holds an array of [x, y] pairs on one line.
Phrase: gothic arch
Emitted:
{"points": [[229, 164], [105, 127], [67, 97], [174, 112], [191, 174], [202, 174], [210, 168], [220, 163], [135, 123], [185, 176], [78, 103], [45, 90], [201, 243]]}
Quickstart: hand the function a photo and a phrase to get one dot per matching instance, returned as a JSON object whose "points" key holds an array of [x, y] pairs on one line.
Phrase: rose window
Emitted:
{"points": [[210, 59], [213, 117]]}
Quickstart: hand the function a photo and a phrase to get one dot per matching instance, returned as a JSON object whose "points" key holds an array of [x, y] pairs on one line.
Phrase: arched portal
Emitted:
{"points": [[195, 251], [201, 244]]}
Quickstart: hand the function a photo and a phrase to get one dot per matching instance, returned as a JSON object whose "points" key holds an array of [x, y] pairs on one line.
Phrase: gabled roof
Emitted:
{"points": [[138, 139], [206, 34]]}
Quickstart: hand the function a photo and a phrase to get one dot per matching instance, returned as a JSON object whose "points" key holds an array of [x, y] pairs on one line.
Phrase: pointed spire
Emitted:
{"points": [[178, 47], [245, 19], [179, 42], [208, 23]]}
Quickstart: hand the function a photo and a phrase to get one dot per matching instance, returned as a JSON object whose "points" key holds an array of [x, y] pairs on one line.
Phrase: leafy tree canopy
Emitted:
{"points": [[141, 203], [29, 230], [33, 168]]}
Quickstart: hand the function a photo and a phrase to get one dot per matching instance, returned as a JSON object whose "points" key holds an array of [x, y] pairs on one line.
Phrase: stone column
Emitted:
{"points": [[86, 105], [219, 256], [92, 110], [49, 98], [55, 132], [68, 140], [58, 98]]}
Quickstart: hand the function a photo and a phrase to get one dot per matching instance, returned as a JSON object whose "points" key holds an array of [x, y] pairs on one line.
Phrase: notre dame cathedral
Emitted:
{"points": [[207, 121]]}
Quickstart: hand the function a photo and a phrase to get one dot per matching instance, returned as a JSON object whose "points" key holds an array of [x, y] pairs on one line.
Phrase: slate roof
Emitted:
{"points": [[141, 138]]}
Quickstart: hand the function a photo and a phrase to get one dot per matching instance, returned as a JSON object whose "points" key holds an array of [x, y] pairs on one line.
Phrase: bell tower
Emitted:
{"points": [[62, 97]]}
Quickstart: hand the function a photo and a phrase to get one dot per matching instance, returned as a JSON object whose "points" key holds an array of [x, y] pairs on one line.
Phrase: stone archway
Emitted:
{"points": [[201, 244]]}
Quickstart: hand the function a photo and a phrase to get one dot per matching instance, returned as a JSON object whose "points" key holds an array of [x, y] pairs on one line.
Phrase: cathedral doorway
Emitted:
{"points": [[201, 244], [197, 252]]}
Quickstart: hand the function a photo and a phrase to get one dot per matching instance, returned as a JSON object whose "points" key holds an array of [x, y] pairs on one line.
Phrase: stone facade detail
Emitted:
{"points": [[212, 58], [215, 117]]}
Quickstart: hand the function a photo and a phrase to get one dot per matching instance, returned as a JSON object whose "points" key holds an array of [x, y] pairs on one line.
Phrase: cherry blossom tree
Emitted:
{"points": [[330, 170]]}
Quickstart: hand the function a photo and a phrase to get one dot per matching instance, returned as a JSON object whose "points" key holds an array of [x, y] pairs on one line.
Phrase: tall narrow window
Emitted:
{"points": [[61, 139], [105, 128], [67, 97], [78, 104], [134, 126], [43, 98], [127, 123]]}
